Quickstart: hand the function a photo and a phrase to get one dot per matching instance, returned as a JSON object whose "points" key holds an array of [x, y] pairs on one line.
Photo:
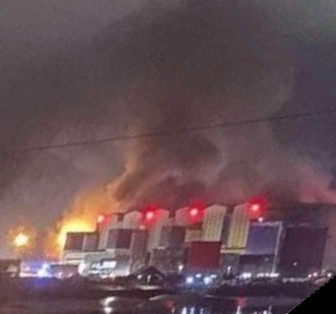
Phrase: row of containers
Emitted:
{"points": [[247, 239]]}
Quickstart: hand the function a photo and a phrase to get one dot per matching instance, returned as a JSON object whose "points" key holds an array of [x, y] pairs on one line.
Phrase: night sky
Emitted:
{"points": [[80, 70]]}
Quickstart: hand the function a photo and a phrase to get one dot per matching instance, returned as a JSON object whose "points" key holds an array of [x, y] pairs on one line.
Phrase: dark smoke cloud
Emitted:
{"points": [[200, 71], [74, 70]]}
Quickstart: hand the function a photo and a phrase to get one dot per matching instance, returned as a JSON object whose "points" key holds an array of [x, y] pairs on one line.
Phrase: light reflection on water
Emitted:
{"points": [[194, 310], [115, 305], [248, 308]]}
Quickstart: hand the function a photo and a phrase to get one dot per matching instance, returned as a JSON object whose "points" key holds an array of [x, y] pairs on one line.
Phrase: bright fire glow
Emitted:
{"points": [[21, 240], [75, 225]]}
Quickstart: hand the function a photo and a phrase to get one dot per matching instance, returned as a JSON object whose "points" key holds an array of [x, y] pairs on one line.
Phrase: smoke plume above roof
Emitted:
{"points": [[74, 71]]}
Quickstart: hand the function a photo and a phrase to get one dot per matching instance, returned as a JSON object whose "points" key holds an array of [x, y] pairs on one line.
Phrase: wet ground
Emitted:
{"points": [[36, 296]]}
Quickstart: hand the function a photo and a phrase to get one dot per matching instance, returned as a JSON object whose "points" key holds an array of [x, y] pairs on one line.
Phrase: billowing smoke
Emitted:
{"points": [[110, 68], [207, 64], [190, 65]]}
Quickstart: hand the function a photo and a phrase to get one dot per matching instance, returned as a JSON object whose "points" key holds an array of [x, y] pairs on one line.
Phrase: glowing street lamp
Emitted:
{"points": [[21, 240]]}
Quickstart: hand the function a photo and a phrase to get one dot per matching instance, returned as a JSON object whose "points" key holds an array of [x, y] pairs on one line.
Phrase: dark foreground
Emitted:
{"points": [[158, 305], [36, 296]]}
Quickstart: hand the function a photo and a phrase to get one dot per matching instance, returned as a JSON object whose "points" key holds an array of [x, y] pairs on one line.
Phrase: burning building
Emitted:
{"points": [[199, 103], [237, 242]]}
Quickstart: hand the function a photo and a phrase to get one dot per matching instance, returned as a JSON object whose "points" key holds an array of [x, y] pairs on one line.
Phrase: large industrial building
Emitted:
{"points": [[243, 239]]}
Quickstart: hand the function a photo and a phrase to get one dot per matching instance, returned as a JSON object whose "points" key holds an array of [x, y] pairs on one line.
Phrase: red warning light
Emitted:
{"points": [[194, 212], [256, 207], [149, 215]]}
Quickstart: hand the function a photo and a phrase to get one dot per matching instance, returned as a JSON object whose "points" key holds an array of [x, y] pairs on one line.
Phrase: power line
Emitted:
{"points": [[159, 133]]}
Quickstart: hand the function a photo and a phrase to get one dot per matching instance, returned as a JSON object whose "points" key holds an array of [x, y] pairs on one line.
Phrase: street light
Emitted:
{"points": [[21, 240]]}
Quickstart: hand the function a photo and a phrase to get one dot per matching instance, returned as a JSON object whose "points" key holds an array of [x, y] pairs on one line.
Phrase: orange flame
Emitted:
{"points": [[75, 225], [80, 217]]}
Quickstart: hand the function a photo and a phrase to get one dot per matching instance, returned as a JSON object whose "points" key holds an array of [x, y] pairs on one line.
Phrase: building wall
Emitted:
{"points": [[81, 241], [233, 233], [229, 263], [193, 234], [263, 238], [154, 230], [239, 228], [132, 220], [328, 219], [317, 216], [91, 242], [302, 250], [213, 223], [262, 248], [73, 257], [256, 264], [119, 239], [182, 216], [203, 256], [113, 223], [172, 236], [138, 249]]}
